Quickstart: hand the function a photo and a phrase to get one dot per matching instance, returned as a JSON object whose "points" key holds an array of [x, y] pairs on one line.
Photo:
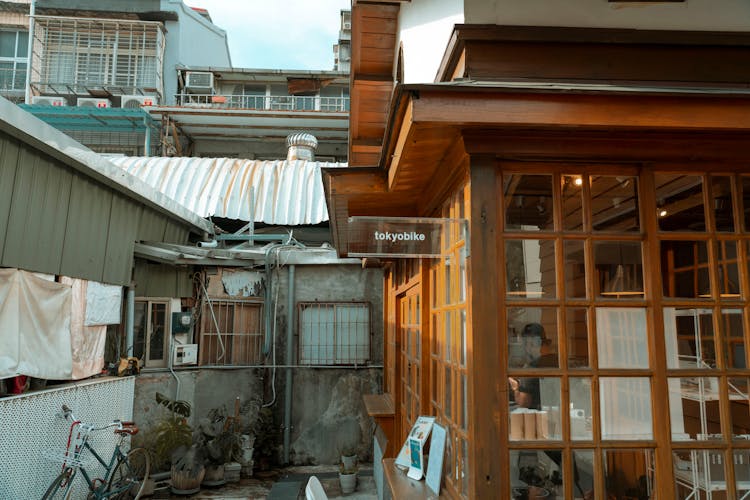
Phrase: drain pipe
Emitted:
{"points": [[289, 361], [129, 320]]}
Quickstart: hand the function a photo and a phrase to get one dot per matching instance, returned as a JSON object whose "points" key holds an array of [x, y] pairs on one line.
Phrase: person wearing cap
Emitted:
{"points": [[525, 391]]}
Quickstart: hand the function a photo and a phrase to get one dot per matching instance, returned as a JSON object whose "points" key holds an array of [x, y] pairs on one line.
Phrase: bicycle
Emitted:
{"points": [[125, 476]]}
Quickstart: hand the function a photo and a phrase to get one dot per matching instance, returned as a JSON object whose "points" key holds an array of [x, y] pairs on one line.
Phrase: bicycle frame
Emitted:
{"points": [[117, 455]]}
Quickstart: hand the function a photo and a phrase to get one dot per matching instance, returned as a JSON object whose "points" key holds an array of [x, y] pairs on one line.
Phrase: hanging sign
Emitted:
{"points": [[402, 236]]}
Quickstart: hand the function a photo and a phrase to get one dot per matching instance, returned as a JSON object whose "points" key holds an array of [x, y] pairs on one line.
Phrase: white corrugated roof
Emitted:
{"points": [[277, 192]]}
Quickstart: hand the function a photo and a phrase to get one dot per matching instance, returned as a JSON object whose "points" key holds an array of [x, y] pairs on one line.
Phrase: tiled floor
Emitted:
{"points": [[259, 486]]}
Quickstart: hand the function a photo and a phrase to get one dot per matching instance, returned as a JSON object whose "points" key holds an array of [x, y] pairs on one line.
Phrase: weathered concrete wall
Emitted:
{"points": [[327, 409]]}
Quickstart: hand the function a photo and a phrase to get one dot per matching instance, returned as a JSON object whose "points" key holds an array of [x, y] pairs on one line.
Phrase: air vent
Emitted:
{"points": [[201, 82], [136, 101], [93, 102], [49, 100]]}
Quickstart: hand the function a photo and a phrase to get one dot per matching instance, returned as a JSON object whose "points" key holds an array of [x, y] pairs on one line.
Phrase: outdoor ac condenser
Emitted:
{"points": [[93, 102], [200, 82], [49, 100], [136, 101], [185, 354]]}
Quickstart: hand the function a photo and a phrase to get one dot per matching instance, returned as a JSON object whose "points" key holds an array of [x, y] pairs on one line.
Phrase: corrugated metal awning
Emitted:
{"points": [[280, 192]]}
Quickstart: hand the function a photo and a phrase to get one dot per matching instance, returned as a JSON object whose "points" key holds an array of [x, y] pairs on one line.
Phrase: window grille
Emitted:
{"points": [[13, 61], [75, 55], [334, 333], [239, 338]]}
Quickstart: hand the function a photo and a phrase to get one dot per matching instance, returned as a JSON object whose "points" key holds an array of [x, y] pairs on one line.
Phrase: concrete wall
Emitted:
{"points": [[327, 409], [266, 149], [191, 41]]}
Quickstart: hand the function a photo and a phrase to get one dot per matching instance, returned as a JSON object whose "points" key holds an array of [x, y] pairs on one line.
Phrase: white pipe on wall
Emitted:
{"points": [[289, 360]]}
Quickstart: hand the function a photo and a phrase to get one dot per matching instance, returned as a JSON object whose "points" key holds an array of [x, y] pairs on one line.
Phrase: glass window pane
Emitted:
{"points": [[739, 404], [584, 485], [532, 337], [614, 203], [694, 408], [158, 331], [689, 338], [462, 339], [734, 340], [697, 471], [139, 330], [729, 278], [745, 186], [465, 468], [536, 474], [722, 202], [684, 269], [6, 75], [575, 269], [464, 401], [535, 408], [572, 205], [629, 474], [22, 49], [680, 202], [528, 202], [742, 472], [19, 81], [7, 43], [621, 337], [530, 268], [619, 269], [625, 408], [580, 408], [576, 328]]}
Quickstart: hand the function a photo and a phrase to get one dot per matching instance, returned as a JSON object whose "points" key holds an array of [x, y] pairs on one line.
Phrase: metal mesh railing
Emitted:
{"points": [[31, 429]]}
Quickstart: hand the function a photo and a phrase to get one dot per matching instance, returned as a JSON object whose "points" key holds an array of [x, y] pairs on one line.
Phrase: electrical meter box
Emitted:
{"points": [[181, 322], [185, 354]]}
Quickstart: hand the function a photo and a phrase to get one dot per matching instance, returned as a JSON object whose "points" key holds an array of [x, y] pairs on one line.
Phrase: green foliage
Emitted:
{"points": [[170, 433]]}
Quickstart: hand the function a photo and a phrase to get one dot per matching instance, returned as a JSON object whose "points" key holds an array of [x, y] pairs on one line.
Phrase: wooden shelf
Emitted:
{"points": [[379, 405], [402, 486]]}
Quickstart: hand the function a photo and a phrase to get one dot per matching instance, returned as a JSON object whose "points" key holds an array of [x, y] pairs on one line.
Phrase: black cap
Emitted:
{"points": [[533, 330]]}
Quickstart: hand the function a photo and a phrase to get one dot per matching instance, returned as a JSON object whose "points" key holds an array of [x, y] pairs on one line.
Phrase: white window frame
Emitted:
{"points": [[145, 355], [16, 60]]}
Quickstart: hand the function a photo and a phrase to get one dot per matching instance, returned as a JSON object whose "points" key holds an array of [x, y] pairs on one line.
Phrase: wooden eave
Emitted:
{"points": [[374, 33]]}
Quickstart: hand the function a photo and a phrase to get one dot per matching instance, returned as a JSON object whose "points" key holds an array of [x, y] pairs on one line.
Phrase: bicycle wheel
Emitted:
{"points": [[60, 488], [129, 477]]}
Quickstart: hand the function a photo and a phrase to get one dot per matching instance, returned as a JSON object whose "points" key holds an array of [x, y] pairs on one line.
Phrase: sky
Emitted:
{"points": [[278, 34]]}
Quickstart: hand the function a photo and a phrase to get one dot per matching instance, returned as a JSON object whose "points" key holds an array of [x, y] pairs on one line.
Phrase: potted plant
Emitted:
{"points": [[348, 476], [348, 457], [220, 443]]}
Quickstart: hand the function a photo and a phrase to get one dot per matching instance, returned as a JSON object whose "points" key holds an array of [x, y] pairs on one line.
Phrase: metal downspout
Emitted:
{"points": [[147, 140], [289, 361], [129, 320], [30, 60]]}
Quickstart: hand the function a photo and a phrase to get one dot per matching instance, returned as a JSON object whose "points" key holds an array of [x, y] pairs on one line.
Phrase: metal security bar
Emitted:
{"points": [[84, 56], [334, 333], [231, 333], [265, 102]]}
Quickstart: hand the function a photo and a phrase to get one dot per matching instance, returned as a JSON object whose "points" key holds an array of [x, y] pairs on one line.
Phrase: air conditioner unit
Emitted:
{"points": [[93, 102], [49, 100], [136, 101], [185, 354], [200, 82]]}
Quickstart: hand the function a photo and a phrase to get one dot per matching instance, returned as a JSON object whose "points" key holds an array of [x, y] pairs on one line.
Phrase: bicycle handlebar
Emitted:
{"points": [[123, 427]]}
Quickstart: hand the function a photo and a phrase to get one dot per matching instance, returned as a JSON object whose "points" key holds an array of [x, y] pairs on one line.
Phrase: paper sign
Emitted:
{"points": [[435, 460], [419, 432]]}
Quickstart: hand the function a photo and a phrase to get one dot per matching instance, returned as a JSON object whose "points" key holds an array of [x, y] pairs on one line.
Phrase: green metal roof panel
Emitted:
{"points": [[123, 223], [8, 166]]}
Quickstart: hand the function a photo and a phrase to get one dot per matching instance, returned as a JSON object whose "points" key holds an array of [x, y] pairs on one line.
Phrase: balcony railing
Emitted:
{"points": [[270, 103]]}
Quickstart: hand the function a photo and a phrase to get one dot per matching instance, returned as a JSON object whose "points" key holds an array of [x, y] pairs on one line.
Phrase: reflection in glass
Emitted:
{"points": [[742, 472], [745, 181], [629, 474], [699, 470], [532, 337], [584, 485], [729, 278], [139, 330], [530, 268], [614, 203], [619, 269], [536, 474], [465, 467], [576, 327], [462, 339], [528, 202], [684, 269], [535, 408], [625, 408], [158, 329], [680, 202], [580, 408], [689, 338], [734, 340], [694, 408], [464, 400], [722, 202], [739, 403], [575, 269], [621, 337], [572, 205]]}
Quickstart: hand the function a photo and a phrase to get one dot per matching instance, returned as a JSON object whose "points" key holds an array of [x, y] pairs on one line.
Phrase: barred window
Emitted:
{"points": [[231, 333], [334, 333]]}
